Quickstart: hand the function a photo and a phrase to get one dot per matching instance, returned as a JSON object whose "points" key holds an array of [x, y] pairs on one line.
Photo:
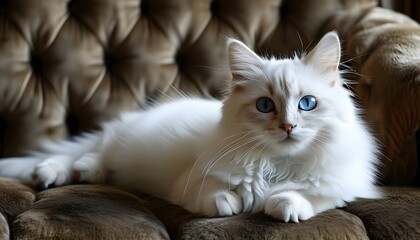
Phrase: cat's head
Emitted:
{"points": [[291, 105]]}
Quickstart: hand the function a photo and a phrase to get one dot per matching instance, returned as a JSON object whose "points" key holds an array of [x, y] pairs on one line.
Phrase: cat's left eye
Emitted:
{"points": [[307, 103], [265, 105]]}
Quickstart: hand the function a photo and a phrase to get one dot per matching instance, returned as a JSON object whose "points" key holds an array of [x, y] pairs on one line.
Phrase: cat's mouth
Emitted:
{"points": [[289, 139], [285, 139]]}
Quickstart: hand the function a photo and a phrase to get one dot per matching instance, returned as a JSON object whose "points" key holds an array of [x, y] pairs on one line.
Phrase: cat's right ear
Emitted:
{"points": [[241, 60], [326, 54]]}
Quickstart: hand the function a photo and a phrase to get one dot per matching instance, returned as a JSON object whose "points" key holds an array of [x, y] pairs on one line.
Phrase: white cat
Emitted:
{"points": [[287, 140]]}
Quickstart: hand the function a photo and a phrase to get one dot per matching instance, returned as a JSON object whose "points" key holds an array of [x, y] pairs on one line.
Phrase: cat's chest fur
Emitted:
{"points": [[254, 176]]}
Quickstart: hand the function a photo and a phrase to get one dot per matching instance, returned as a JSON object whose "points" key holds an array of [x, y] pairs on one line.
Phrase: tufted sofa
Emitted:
{"points": [[67, 65]]}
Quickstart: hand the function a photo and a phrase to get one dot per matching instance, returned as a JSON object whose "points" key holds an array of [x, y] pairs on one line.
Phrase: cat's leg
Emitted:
{"points": [[253, 195], [20, 168], [55, 170], [289, 206], [227, 203], [213, 198], [90, 168], [245, 190]]}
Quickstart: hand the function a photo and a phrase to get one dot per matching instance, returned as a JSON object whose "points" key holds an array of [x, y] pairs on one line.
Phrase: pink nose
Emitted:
{"points": [[287, 128]]}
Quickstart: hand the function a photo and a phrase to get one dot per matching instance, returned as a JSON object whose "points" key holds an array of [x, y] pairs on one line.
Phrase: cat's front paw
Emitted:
{"points": [[289, 207], [89, 168], [228, 203], [222, 204], [55, 170]]}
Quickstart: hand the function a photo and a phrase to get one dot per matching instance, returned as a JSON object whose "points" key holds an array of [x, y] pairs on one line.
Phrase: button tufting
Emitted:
{"points": [[109, 61], [72, 124], [284, 9], [36, 63], [145, 7], [181, 61], [2, 6], [71, 6], [215, 7]]}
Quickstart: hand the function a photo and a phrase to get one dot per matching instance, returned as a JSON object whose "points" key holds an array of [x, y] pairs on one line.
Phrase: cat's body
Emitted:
{"points": [[287, 140]]}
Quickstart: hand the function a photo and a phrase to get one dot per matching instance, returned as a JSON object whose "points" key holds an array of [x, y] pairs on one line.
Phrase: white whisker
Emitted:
{"points": [[225, 148]]}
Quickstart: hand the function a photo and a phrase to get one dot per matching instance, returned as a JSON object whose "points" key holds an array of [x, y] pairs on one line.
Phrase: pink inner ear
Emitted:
{"points": [[334, 82], [237, 88], [325, 56], [242, 60], [333, 68]]}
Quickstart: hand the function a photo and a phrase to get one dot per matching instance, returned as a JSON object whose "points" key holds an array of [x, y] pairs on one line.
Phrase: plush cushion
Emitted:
{"points": [[95, 212], [87, 212], [395, 217], [333, 224], [4, 228], [14, 198]]}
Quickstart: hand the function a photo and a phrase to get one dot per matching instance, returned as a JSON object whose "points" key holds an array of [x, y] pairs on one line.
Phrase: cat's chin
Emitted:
{"points": [[290, 139], [286, 140], [288, 145], [285, 146], [290, 142]]}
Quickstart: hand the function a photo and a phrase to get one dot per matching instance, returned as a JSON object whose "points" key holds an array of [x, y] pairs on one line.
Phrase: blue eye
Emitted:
{"points": [[307, 103], [265, 105]]}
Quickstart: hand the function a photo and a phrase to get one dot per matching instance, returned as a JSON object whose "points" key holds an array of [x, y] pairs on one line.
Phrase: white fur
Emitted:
{"points": [[225, 157]]}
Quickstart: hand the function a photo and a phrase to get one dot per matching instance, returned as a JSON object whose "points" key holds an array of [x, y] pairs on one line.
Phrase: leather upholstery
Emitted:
{"points": [[68, 65]]}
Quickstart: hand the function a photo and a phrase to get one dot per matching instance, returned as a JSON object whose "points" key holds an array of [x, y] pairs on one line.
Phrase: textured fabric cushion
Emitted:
{"points": [[14, 199], [4, 228], [333, 224], [87, 212], [395, 217]]}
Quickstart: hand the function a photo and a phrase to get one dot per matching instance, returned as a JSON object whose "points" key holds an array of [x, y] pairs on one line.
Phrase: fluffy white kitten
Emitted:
{"points": [[287, 140]]}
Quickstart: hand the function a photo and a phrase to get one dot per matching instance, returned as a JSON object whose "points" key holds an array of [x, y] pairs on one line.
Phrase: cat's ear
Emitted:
{"points": [[241, 60], [326, 54]]}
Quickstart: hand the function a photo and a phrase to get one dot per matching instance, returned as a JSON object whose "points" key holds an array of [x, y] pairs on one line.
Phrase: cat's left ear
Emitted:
{"points": [[242, 60], [326, 54]]}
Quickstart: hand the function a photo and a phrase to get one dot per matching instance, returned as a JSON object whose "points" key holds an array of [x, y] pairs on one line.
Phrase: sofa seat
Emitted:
{"points": [[103, 212]]}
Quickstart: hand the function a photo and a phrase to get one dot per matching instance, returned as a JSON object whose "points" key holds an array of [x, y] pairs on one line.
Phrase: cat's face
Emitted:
{"points": [[291, 105]]}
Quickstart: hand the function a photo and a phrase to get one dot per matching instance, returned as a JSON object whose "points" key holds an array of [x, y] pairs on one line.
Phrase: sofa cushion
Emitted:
{"points": [[333, 224], [14, 198], [396, 216], [4, 228], [87, 212]]}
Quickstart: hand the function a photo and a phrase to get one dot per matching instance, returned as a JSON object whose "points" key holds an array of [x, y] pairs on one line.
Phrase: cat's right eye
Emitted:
{"points": [[265, 105], [307, 103]]}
